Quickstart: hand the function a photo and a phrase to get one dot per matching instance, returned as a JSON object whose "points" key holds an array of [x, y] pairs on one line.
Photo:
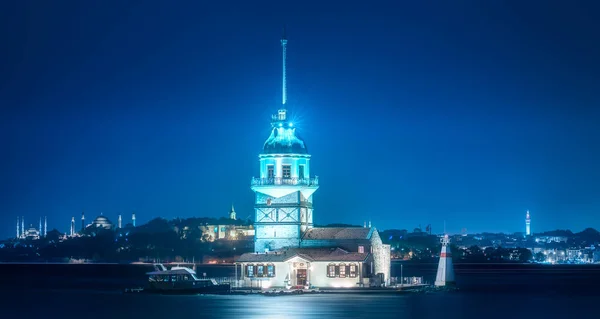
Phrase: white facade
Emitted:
{"points": [[306, 268]]}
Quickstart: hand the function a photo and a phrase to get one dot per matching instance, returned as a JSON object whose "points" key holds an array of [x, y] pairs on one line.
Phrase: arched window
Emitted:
{"points": [[270, 270], [342, 270], [250, 270], [260, 270], [352, 271], [331, 270]]}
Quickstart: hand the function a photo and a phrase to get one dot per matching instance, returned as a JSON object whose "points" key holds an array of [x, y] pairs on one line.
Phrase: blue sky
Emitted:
{"points": [[414, 113]]}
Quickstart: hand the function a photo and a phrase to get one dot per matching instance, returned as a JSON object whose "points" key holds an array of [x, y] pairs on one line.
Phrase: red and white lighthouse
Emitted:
{"points": [[445, 273]]}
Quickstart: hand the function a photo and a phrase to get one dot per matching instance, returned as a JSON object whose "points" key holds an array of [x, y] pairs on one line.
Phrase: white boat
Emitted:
{"points": [[182, 280]]}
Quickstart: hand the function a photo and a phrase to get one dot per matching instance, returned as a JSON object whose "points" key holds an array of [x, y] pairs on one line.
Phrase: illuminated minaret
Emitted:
{"points": [[120, 221], [133, 219], [40, 230], [82, 221], [283, 191], [18, 228], [232, 213], [45, 226], [527, 224], [72, 226], [284, 52], [22, 226]]}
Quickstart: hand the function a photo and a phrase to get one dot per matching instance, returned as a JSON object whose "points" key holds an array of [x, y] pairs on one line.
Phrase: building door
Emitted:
{"points": [[301, 277]]}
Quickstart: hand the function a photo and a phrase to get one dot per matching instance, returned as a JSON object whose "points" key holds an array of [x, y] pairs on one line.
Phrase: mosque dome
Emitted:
{"points": [[102, 221], [283, 138]]}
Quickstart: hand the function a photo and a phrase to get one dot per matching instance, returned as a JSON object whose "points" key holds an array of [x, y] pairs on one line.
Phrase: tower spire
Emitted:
{"points": [[18, 228], [284, 49], [527, 224]]}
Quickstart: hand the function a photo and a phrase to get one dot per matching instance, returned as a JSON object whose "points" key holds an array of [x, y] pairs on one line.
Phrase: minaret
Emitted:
{"points": [[445, 272], [82, 221], [527, 224], [283, 191], [40, 230], [232, 213], [72, 226], [45, 226], [284, 52], [133, 219], [18, 228], [22, 226], [120, 222]]}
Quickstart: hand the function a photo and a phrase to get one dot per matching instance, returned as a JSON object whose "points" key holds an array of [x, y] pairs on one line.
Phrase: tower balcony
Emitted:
{"points": [[289, 181]]}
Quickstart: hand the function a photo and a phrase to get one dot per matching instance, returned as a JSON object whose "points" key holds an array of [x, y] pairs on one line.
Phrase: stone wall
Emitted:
{"points": [[381, 257]]}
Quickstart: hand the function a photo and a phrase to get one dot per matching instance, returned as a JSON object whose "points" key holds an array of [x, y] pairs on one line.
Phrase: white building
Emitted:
{"points": [[289, 251]]}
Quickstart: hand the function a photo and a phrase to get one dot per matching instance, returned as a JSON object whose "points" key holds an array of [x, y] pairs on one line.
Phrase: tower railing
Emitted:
{"points": [[293, 181]]}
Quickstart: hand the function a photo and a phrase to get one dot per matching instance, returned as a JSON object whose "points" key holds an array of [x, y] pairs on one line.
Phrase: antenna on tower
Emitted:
{"points": [[284, 49]]}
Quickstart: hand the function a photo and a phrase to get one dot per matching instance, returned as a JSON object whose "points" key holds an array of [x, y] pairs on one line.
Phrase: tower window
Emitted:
{"points": [[270, 171], [301, 171], [361, 249], [287, 171]]}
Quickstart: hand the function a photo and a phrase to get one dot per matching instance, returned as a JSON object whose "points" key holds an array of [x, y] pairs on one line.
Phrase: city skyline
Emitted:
{"points": [[408, 121]]}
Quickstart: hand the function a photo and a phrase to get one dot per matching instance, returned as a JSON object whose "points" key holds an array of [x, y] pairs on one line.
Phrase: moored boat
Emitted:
{"points": [[182, 280]]}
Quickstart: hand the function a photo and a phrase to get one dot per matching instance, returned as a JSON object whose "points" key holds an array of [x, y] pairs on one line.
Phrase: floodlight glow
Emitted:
{"points": [[280, 125], [291, 124]]}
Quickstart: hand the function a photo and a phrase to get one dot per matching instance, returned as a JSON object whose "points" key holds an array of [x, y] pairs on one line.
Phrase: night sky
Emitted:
{"points": [[414, 113]]}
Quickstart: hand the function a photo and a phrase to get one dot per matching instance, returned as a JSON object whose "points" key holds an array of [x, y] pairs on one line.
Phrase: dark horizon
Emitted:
{"points": [[413, 114]]}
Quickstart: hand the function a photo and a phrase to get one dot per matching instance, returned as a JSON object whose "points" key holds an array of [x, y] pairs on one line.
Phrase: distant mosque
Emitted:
{"points": [[288, 250], [31, 232], [100, 222]]}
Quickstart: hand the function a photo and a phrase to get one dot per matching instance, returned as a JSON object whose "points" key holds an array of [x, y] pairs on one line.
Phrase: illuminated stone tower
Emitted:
{"points": [[527, 224], [284, 189], [72, 226], [18, 228], [120, 222], [82, 221], [133, 219]]}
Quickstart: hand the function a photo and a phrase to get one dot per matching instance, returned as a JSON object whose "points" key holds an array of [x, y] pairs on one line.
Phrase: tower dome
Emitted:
{"points": [[283, 138]]}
